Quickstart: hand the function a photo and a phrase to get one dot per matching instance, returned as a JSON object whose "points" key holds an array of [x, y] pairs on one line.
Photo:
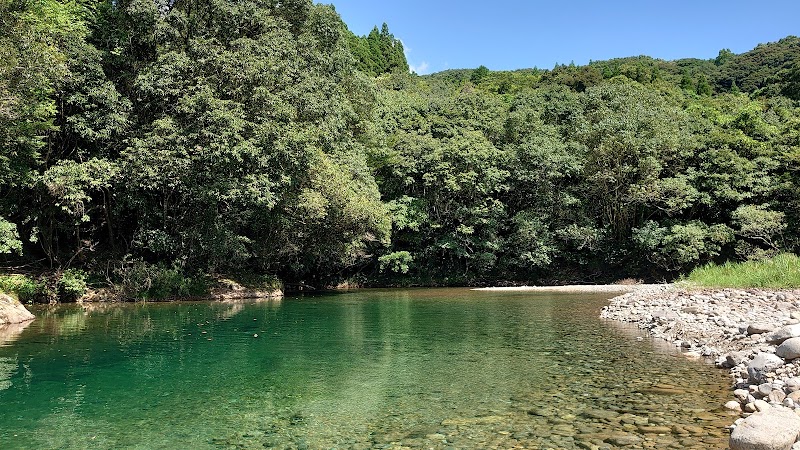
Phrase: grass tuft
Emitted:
{"points": [[779, 272]]}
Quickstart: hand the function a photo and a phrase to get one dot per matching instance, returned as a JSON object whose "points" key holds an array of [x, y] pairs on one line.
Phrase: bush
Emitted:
{"points": [[26, 289], [71, 285], [780, 272], [260, 282], [143, 281], [398, 262]]}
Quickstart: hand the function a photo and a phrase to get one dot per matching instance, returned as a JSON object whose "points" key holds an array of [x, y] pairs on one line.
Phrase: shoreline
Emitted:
{"points": [[581, 288], [751, 332]]}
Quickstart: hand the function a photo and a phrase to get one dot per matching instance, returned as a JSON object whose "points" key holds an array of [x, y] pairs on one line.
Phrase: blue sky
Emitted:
{"points": [[515, 34]]}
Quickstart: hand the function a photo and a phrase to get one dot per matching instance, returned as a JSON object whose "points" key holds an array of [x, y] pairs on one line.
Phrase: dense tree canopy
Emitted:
{"points": [[261, 136]]}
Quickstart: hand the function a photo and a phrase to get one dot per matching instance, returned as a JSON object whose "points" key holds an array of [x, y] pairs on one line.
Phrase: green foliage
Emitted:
{"points": [[25, 288], [9, 238], [780, 272], [479, 74], [681, 246], [398, 262], [378, 53], [71, 285], [259, 282], [757, 68], [179, 140], [142, 281]]}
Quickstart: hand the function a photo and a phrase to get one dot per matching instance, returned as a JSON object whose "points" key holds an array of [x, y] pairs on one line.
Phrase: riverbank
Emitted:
{"points": [[582, 288], [752, 332]]}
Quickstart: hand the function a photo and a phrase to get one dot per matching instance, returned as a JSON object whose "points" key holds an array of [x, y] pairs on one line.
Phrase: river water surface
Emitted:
{"points": [[428, 368]]}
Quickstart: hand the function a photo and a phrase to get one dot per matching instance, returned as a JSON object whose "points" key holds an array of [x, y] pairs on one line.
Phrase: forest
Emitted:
{"points": [[154, 145]]}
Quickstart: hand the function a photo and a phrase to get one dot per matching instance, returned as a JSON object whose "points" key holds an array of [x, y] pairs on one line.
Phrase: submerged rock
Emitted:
{"points": [[772, 429]]}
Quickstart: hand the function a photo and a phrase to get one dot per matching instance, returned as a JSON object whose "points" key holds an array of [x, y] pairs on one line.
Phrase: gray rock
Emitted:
{"points": [[761, 405], [665, 315], [793, 384], [781, 334], [765, 389], [12, 311], [776, 396], [762, 364], [733, 406], [760, 328], [741, 394], [794, 396], [773, 429], [733, 359], [790, 349]]}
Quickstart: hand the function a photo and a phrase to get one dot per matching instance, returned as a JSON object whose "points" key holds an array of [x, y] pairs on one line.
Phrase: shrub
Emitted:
{"points": [[398, 262], [26, 289], [261, 282], [71, 285], [143, 281]]}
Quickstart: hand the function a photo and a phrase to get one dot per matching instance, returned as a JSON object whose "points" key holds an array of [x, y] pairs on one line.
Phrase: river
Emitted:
{"points": [[424, 368]]}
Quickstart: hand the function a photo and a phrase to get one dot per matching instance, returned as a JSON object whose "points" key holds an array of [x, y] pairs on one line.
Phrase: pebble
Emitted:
{"points": [[754, 333]]}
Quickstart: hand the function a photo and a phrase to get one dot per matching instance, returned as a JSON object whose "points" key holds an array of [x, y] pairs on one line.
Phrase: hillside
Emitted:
{"points": [[153, 147]]}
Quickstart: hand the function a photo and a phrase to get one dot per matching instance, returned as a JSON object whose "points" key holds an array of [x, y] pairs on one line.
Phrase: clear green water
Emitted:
{"points": [[444, 368]]}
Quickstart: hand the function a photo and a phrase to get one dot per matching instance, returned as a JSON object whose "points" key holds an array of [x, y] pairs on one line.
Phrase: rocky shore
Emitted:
{"points": [[751, 332]]}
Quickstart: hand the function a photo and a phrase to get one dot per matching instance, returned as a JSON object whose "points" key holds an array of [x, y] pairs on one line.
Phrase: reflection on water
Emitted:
{"points": [[441, 368], [10, 332]]}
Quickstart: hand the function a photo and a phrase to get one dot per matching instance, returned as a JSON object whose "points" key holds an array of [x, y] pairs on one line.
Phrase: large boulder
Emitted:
{"points": [[762, 364], [782, 334], [773, 429], [790, 349], [12, 311]]}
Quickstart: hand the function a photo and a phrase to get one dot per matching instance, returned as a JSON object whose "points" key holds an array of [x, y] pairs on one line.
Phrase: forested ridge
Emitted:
{"points": [[155, 143]]}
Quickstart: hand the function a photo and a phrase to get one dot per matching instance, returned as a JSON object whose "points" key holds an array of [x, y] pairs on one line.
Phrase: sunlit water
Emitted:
{"points": [[445, 368]]}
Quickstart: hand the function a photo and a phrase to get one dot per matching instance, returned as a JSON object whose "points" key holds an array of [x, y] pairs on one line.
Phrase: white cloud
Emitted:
{"points": [[419, 69]]}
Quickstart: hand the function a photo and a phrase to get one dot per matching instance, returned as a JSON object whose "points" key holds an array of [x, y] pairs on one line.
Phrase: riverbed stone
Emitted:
{"points": [[760, 328], [733, 359], [733, 406], [764, 389], [624, 439], [600, 414], [762, 364], [782, 334], [794, 396], [776, 396], [790, 349], [773, 429], [761, 405], [741, 394]]}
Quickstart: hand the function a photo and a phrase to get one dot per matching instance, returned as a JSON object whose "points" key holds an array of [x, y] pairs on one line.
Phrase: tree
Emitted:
{"points": [[479, 74]]}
